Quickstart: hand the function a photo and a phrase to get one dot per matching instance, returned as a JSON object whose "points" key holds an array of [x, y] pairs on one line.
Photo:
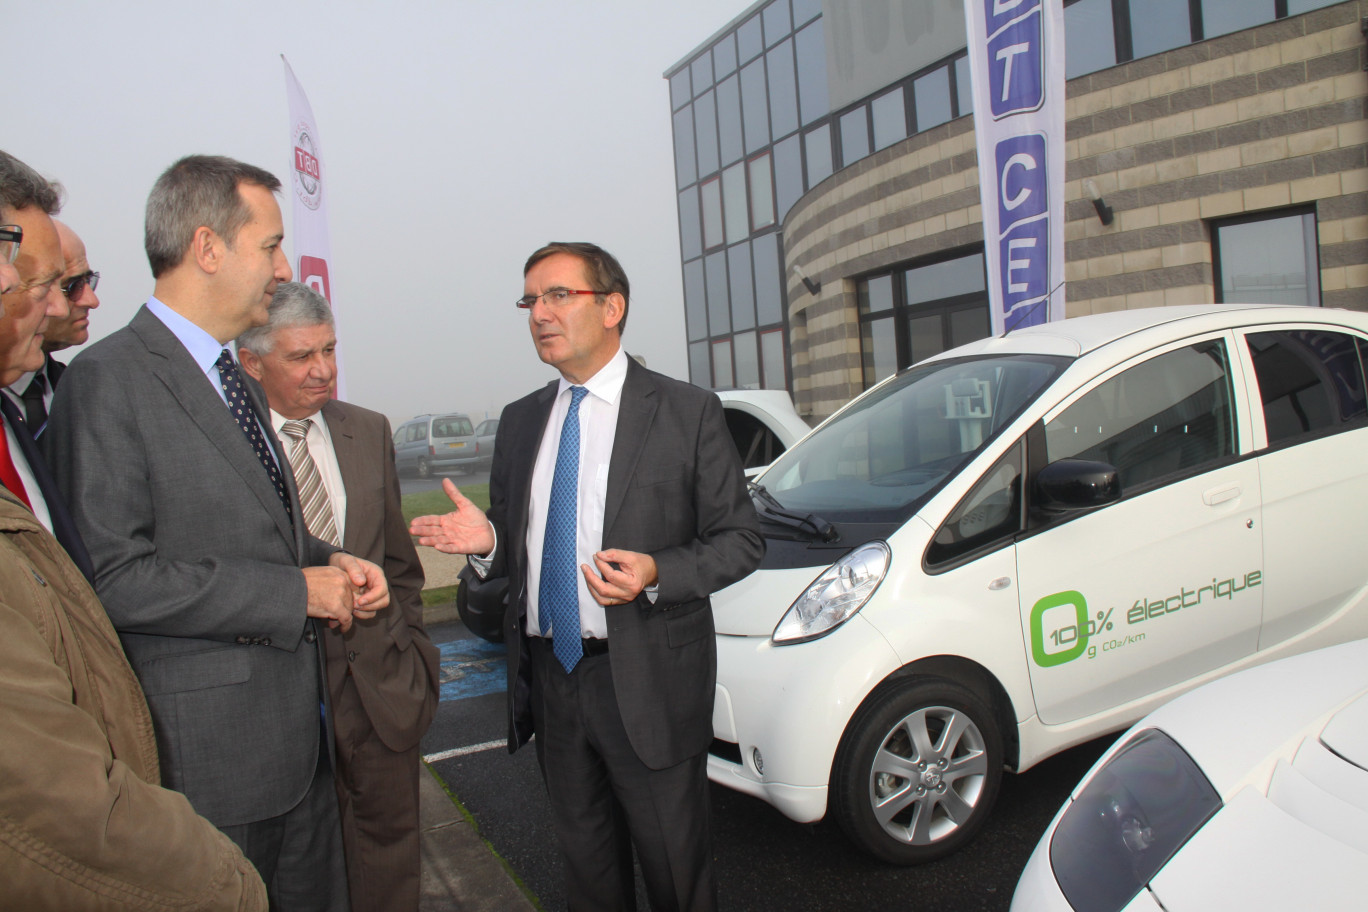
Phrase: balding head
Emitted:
{"points": [[73, 329]]}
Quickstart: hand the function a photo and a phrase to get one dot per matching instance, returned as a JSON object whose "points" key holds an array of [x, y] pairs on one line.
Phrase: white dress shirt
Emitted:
{"points": [[320, 445], [598, 416], [17, 389]]}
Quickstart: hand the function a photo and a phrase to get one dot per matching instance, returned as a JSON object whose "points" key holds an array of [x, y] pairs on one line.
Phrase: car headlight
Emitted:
{"points": [[1129, 820], [836, 595]]}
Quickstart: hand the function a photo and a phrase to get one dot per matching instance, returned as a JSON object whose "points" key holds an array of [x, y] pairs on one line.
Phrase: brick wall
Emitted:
{"points": [[1270, 117]]}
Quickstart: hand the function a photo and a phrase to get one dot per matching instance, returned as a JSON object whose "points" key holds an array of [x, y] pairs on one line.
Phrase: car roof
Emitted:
{"points": [[1078, 336]]}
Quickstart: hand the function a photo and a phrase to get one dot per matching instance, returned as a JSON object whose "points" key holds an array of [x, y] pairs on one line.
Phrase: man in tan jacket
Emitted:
{"points": [[84, 823]]}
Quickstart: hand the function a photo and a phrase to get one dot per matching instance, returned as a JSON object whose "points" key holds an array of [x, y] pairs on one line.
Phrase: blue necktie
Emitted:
{"points": [[558, 594], [241, 408]]}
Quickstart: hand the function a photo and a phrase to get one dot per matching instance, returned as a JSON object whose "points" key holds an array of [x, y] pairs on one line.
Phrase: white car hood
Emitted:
{"points": [[1301, 843], [753, 606]]}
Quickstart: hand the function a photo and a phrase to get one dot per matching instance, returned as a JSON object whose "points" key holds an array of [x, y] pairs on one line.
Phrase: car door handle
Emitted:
{"points": [[1220, 495]]}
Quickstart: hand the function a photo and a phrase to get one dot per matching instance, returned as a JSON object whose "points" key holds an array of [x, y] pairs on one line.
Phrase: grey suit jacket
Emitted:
{"points": [[390, 658], [198, 565], [675, 491]]}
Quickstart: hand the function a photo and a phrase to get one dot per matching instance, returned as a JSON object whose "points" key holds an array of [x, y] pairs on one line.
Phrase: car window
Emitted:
{"points": [[1309, 381], [451, 427], [1170, 414], [399, 436], [756, 444], [419, 432], [989, 514], [487, 427], [881, 457]]}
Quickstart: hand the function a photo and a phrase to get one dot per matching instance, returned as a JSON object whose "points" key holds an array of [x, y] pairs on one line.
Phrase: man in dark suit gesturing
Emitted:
{"points": [[201, 557], [617, 505], [382, 673]]}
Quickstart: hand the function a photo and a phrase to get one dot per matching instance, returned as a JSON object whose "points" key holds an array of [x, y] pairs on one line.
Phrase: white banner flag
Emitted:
{"points": [[311, 243], [1016, 61]]}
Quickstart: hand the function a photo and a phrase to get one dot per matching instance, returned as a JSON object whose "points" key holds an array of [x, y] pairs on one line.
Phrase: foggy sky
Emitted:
{"points": [[457, 137]]}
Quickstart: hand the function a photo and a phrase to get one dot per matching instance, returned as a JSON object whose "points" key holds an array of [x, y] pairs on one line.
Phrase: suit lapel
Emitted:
{"points": [[526, 446], [636, 412], [349, 464], [194, 391]]}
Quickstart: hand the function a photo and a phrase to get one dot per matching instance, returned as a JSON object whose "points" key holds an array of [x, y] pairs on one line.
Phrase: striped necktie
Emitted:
{"points": [[313, 496]]}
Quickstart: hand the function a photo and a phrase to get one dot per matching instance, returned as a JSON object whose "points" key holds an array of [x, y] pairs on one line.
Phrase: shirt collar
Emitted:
{"points": [[278, 421], [607, 383], [203, 347]]}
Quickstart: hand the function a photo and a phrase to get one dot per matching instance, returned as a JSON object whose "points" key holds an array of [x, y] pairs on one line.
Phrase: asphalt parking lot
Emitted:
{"points": [[764, 860]]}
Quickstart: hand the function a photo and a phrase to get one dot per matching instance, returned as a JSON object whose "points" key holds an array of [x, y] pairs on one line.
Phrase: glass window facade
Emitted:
{"points": [[915, 311], [1268, 259], [890, 118], [1157, 25], [1221, 17], [743, 159], [854, 135], [754, 131], [1091, 43], [932, 93]]}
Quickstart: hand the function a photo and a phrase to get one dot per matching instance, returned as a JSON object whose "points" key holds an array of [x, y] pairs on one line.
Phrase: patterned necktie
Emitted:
{"points": [[558, 597], [9, 475], [35, 410], [313, 496], [241, 408]]}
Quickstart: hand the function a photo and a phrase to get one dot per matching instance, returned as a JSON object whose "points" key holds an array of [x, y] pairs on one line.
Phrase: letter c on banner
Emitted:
{"points": [[1020, 160]]}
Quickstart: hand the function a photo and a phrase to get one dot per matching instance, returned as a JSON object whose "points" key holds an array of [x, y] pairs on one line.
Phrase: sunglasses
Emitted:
{"points": [[73, 286]]}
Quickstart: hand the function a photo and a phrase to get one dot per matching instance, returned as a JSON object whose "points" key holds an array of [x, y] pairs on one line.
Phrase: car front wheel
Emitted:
{"points": [[918, 771]]}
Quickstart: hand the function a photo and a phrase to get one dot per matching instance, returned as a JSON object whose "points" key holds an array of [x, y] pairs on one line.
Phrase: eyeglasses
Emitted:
{"points": [[553, 297], [10, 236], [77, 284]]}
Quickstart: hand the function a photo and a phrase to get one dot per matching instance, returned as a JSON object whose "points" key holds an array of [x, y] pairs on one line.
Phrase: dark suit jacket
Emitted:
{"points": [[393, 663], [676, 492], [55, 369], [198, 566]]}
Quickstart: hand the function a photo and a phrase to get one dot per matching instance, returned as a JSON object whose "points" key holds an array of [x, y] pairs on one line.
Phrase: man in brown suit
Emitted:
{"points": [[382, 674]]}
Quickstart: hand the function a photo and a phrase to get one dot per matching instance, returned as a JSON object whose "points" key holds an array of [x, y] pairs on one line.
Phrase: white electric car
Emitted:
{"points": [[1032, 540], [1249, 793]]}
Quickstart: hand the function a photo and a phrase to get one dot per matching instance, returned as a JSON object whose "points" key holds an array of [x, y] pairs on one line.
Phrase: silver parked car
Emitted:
{"points": [[436, 443]]}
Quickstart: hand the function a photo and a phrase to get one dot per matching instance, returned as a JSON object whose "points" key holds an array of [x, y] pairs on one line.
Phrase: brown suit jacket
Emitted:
{"points": [[392, 661]]}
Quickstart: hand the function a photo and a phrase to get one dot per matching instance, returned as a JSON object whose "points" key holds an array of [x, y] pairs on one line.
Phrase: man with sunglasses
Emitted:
{"points": [[28, 201], [87, 824], [10, 238], [32, 392]]}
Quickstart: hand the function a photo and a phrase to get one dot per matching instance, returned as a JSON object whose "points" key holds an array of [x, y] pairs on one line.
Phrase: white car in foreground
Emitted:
{"points": [[1248, 793], [1033, 540]]}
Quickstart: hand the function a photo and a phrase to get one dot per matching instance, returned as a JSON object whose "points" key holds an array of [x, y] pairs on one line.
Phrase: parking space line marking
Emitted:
{"points": [[462, 751]]}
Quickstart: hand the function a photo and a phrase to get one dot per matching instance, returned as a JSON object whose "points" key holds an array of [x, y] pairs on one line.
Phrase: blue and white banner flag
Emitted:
{"points": [[1016, 61]]}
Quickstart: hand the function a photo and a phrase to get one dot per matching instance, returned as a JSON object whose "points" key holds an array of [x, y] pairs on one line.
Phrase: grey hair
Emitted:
{"points": [[21, 187], [197, 191], [294, 304]]}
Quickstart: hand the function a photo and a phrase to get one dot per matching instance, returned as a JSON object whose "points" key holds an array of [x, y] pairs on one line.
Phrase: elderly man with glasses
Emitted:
{"points": [[28, 201], [32, 392], [86, 823]]}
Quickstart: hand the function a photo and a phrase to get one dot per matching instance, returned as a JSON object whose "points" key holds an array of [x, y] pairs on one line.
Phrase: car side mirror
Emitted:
{"points": [[1076, 484]]}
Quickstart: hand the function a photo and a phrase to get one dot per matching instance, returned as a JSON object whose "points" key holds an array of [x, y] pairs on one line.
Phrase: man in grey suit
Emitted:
{"points": [[201, 556], [382, 673], [617, 505]]}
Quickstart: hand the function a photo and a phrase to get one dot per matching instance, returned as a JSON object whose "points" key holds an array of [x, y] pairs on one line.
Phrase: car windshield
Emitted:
{"points": [[882, 456]]}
